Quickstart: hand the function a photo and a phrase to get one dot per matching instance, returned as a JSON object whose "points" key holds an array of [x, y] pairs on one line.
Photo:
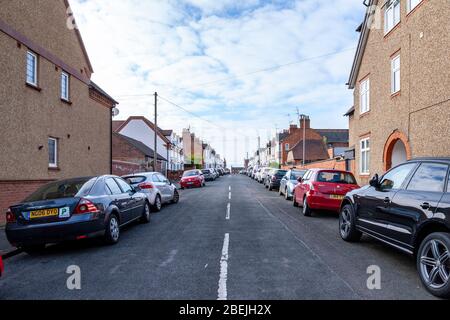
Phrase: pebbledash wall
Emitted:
{"points": [[418, 116], [31, 115]]}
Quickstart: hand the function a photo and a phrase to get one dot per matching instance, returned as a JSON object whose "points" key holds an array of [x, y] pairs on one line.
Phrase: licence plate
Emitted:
{"points": [[336, 197], [190, 183], [44, 213]]}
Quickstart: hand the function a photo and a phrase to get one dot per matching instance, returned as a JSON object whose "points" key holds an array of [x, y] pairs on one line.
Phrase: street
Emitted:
{"points": [[231, 240]]}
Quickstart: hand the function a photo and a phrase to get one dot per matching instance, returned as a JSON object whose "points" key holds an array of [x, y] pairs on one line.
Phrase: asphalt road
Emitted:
{"points": [[259, 248]]}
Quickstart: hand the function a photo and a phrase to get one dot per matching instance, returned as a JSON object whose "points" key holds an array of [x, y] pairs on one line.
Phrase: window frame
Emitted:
{"points": [[362, 150], [392, 6], [67, 76], [286, 147], [394, 71], [35, 69], [409, 7], [53, 164], [364, 93], [445, 183], [406, 180]]}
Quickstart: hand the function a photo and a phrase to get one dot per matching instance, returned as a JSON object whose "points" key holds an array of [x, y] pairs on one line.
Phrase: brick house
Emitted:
{"points": [[47, 101], [321, 144], [132, 156], [400, 77], [143, 130]]}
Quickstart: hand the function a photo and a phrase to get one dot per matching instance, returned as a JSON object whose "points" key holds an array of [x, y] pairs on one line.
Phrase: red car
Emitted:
{"points": [[192, 178], [323, 190], [2, 268]]}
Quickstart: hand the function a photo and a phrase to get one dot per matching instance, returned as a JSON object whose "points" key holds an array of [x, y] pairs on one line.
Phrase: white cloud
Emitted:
{"points": [[182, 48]]}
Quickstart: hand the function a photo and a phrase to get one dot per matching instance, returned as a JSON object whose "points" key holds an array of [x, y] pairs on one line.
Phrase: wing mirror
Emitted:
{"points": [[375, 181]]}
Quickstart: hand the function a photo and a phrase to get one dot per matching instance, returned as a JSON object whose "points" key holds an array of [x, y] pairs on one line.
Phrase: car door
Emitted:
{"points": [[302, 187], [119, 199], [443, 211], [166, 190], [132, 202], [283, 182], [417, 202], [374, 205]]}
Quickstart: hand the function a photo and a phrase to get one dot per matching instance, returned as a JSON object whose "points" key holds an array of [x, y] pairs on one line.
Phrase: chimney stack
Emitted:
{"points": [[305, 122]]}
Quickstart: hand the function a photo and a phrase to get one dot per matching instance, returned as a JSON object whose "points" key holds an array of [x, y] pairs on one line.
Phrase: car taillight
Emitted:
{"points": [[10, 217], [145, 186], [274, 178], [85, 206]]}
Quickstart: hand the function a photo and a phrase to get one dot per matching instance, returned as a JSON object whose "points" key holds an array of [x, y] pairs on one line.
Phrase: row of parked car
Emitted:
{"points": [[407, 208], [197, 178]]}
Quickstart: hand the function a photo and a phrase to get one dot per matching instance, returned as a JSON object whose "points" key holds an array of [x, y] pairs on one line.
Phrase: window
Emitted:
{"points": [[365, 156], [307, 175], [364, 93], [395, 74], [336, 177], [411, 4], [429, 177], [391, 15], [112, 186], [126, 188], [65, 86], [394, 179], [31, 68], [52, 152], [286, 146]]}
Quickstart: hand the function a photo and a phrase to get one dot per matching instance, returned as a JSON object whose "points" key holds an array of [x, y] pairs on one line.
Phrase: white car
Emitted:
{"points": [[263, 174], [156, 187]]}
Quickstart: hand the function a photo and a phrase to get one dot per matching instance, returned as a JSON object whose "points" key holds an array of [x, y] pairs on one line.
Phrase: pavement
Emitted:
{"points": [[231, 240]]}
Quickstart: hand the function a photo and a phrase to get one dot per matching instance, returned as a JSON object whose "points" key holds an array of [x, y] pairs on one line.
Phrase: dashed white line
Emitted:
{"points": [[229, 195], [228, 211], [222, 291], [229, 188]]}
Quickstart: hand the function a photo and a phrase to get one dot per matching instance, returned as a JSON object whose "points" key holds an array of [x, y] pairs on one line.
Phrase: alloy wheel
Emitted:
{"points": [[114, 228], [435, 264], [158, 203], [345, 223], [176, 196]]}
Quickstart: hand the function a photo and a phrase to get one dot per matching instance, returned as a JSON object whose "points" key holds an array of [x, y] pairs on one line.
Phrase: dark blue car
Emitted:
{"points": [[75, 209]]}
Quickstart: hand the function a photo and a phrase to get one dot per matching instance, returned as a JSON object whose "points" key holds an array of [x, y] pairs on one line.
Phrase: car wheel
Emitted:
{"points": [[286, 195], [306, 209], [176, 197], [294, 201], [347, 225], [112, 232], [433, 264], [158, 204], [146, 213], [34, 249]]}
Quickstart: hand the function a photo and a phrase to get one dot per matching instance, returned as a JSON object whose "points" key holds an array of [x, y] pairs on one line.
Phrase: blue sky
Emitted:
{"points": [[219, 59]]}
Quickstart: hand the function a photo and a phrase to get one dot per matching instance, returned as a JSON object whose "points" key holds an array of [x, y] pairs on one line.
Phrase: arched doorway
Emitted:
{"points": [[396, 150]]}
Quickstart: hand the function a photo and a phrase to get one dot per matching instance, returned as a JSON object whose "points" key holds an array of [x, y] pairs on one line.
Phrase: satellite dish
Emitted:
{"points": [[115, 112]]}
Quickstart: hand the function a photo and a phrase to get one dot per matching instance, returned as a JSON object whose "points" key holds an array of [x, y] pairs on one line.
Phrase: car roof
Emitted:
{"points": [[440, 159]]}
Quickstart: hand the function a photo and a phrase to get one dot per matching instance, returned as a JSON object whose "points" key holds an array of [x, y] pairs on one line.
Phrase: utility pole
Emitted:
{"points": [[259, 150], [155, 150]]}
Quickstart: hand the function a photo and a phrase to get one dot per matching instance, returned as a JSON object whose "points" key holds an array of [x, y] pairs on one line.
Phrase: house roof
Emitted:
{"points": [[315, 150], [166, 133], [116, 124], [102, 92], [364, 29], [334, 135], [350, 111], [80, 40], [147, 151], [147, 122]]}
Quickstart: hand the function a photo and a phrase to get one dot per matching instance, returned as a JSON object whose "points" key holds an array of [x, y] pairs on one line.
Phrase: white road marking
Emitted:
{"points": [[170, 259], [228, 211], [229, 188], [229, 196], [222, 291]]}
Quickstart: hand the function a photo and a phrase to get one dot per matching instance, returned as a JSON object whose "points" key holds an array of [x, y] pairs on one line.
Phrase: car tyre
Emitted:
{"points": [[294, 202], [307, 212], [286, 195], [112, 230], [280, 193], [146, 213], [347, 224], [176, 197], [158, 204], [433, 264]]}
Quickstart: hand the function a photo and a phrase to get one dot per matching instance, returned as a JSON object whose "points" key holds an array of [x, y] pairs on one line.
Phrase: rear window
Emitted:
{"points": [[280, 173], [63, 189], [206, 171], [336, 177], [190, 173], [297, 174], [135, 179]]}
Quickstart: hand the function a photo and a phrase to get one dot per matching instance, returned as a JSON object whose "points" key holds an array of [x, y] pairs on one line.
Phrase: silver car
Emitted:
{"points": [[158, 189], [289, 181]]}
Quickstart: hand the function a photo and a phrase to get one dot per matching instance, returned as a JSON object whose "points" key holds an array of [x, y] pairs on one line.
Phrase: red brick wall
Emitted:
{"points": [[121, 168], [327, 164], [12, 192], [123, 151]]}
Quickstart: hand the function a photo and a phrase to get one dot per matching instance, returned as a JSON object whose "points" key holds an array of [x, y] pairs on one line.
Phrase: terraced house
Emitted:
{"points": [[56, 123], [401, 83]]}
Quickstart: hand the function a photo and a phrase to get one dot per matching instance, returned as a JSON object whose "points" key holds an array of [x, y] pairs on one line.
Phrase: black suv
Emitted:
{"points": [[409, 209]]}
